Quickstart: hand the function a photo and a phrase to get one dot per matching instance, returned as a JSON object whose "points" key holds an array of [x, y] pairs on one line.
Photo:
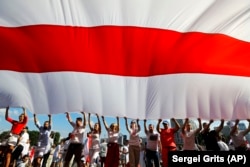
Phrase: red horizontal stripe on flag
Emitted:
{"points": [[120, 50]]}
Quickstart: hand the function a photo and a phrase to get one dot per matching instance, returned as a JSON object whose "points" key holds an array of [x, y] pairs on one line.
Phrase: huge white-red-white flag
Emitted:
{"points": [[135, 58]]}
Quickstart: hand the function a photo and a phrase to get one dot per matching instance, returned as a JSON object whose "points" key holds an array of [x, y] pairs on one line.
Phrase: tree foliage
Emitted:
{"points": [[4, 136], [56, 138], [33, 134]]}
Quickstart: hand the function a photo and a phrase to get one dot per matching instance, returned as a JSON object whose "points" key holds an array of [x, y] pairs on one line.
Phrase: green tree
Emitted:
{"points": [[33, 134], [4, 135], [56, 138]]}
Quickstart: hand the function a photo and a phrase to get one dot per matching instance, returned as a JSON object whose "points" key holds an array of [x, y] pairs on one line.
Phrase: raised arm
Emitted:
{"points": [[145, 126], [177, 126], [206, 129], [50, 120], [104, 123], [221, 126], [24, 112], [68, 117], [210, 122], [84, 119], [158, 126], [99, 122], [139, 126], [90, 126], [36, 121], [7, 113], [245, 132], [126, 123], [200, 126], [118, 122], [233, 129], [184, 126]]}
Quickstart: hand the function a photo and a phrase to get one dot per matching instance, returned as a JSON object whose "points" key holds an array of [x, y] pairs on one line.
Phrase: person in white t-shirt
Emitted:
{"points": [[223, 146], [134, 142], [94, 143], [112, 158], [153, 144], [188, 135], [23, 161], [76, 140], [22, 141], [238, 137], [124, 157], [26, 148]]}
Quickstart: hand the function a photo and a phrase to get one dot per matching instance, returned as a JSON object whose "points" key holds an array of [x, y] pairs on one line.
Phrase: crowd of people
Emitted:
{"points": [[94, 151]]}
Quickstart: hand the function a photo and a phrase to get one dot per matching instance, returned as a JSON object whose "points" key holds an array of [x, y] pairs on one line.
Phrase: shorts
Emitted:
{"points": [[12, 140], [41, 151]]}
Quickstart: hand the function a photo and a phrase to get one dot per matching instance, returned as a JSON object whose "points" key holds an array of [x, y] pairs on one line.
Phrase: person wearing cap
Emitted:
{"points": [[210, 136], [167, 139], [16, 129], [94, 137], [238, 137], [112, 157], [76, 140], [153, 144], [134, 142], [22, 141], [43, 144], [188, 135]]}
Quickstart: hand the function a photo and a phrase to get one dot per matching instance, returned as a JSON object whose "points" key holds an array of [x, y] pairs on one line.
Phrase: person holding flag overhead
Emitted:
{"points": [[94, 137], [16, 129], [188, 135], [112, 158], [153, 145], [43, 144], [167, 138], [134, 142], [76, 140]]}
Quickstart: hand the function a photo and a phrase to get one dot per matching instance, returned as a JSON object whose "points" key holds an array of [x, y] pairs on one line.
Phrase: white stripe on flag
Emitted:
{"points": [[165, 96], [229, 17]]}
